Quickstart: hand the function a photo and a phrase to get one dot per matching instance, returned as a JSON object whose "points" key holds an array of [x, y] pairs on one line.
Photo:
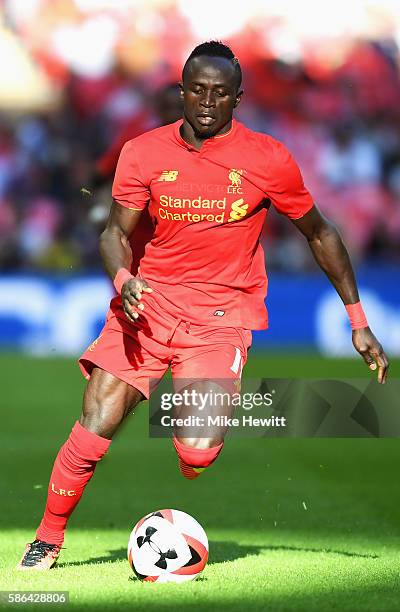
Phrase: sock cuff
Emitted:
{"points": [[197, 457], [92, 445], [51, 536]]}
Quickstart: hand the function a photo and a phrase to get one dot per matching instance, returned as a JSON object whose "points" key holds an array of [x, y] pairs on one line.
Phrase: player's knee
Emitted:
{"points": [[198, 452]]}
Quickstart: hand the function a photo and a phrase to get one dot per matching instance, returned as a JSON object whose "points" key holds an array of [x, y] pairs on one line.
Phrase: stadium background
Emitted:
{"points": [[324, 79]]}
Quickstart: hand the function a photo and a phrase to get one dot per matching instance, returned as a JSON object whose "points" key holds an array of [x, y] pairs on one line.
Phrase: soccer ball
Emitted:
{"points": [[167, 546]]}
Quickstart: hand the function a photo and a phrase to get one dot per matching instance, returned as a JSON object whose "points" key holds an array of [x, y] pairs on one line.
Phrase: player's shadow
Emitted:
{"points": [[221, 552], [229, 551]]}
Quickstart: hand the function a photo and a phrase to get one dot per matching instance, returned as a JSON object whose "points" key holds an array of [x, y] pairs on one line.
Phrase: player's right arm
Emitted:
{"points": [[116, 254], [131, 195]]}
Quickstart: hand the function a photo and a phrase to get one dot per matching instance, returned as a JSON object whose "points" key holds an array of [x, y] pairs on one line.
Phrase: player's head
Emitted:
{"points": [[168, 103], [211, 80]]}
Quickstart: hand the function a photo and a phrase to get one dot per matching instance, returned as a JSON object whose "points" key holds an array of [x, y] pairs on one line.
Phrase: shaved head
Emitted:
{"points": [[215, 49]]}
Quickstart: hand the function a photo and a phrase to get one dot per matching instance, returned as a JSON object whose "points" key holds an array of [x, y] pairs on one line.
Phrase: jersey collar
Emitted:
{"points": [[215, 141]]}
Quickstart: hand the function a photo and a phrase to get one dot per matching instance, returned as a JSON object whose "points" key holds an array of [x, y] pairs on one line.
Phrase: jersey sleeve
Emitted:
{"points": [[129, 187], [286, 187]]}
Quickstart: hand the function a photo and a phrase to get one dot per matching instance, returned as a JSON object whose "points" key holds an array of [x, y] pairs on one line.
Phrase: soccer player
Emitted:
{"points": [[208, 182]]}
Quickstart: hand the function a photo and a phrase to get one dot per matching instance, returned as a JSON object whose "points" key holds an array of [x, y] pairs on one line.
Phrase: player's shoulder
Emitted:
{"points": [[151, 138], [264, 143]]}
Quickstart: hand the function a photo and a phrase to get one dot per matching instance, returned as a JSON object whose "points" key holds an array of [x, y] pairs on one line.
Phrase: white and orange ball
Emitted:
{"points": [[167, 546]]}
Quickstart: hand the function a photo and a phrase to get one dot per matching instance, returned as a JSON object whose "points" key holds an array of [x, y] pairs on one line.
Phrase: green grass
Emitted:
{"points": [[293, 524]]}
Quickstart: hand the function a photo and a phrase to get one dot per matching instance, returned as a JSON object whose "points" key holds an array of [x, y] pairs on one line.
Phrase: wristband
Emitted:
{"points": [[357, 317], [120, 278]]}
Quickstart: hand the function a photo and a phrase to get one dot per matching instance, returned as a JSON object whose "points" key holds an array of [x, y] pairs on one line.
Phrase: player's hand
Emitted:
{"points": [[371, 351], [131, 295]]}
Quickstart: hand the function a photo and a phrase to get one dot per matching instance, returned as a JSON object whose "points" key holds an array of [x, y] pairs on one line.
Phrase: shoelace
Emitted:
{"points": [[38, 551]]}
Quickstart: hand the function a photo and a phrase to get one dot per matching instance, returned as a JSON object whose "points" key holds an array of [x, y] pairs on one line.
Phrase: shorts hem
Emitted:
{"points": [[83, 361]]}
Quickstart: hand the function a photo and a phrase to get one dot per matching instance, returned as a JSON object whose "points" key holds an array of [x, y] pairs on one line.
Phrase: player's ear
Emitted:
{"points": [[180, 84], [238, 98]]}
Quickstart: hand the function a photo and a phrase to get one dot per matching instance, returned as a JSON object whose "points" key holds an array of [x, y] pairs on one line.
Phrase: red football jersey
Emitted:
{"points": [[205, 260]]}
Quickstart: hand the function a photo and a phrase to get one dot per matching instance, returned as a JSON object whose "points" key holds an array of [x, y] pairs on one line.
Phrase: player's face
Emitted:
{"points": [[210, 94]]}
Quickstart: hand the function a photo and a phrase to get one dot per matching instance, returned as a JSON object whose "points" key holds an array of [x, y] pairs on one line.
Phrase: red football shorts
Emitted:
{"points": [[140, 353]]}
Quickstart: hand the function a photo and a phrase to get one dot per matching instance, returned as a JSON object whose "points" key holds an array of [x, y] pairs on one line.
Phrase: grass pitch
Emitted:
{"points": [[293, 524]]}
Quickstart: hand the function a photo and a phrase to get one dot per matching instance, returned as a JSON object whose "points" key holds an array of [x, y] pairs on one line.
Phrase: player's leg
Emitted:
{"points": [[120, 364], [199, 445], [211, 361], [107, 401]]}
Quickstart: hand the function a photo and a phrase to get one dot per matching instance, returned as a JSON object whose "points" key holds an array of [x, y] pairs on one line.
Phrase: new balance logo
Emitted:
{"points": [[168, 176]]}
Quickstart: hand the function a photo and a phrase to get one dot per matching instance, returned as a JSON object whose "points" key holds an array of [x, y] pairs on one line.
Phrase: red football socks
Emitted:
{"points": [[193, 461], [73, 468]]}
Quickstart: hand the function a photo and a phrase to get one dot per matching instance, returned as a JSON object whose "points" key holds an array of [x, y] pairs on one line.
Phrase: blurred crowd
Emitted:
{"points": [[341, 120]]}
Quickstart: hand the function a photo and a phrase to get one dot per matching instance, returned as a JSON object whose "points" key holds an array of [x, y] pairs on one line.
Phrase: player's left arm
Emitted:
{"points": [[331, 255]]}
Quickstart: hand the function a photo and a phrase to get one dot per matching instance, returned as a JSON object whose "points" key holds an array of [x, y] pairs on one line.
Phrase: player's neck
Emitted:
{"points": [[189, 135]]}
